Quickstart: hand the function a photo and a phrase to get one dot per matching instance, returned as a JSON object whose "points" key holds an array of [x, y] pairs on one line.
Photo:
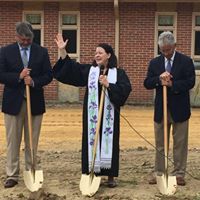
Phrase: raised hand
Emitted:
{"points": [[60, 42]]}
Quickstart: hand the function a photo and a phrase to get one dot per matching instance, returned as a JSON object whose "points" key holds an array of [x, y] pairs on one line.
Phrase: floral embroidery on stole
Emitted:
{"points": [[103, 155]]}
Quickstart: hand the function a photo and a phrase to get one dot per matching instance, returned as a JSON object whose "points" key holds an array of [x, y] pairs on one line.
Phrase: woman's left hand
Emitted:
{"points": [[103, 81]]}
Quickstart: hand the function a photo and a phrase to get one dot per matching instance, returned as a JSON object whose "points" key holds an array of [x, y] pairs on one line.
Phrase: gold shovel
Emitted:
{"points": [[89, 184], [33, 179], [166, 184]]}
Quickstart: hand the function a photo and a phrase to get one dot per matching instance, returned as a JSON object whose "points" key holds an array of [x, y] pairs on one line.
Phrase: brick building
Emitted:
{"points": [[130, 26]]}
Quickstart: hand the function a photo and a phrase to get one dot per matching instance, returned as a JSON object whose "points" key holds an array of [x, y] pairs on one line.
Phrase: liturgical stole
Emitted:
{"points": [[104, 153]]}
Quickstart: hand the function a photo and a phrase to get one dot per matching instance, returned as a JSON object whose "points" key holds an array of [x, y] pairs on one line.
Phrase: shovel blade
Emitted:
{"points": [[89, 184], [33, 182], [166, 187]]}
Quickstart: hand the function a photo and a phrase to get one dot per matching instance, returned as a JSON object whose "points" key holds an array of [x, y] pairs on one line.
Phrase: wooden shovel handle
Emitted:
{"points": [[28, 102], [165, 126], [98, 127]]}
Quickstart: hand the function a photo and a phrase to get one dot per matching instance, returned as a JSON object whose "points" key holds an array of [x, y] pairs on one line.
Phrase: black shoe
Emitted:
{"points": [[10, 183]]}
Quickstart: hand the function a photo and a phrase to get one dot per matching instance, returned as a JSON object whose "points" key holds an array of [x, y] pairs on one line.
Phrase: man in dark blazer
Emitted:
{"points": [[176, 71], [22, 63]]}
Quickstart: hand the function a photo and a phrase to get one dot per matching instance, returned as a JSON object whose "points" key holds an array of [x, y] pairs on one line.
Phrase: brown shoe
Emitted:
{"points": [[180, 180], [152, 181]]}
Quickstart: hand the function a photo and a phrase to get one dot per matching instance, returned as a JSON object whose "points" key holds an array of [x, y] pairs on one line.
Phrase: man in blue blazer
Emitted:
{"points": [[22, 63], [176, 71]]}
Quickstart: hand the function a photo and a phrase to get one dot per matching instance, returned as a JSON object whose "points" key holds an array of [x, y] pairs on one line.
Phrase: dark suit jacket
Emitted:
{"points": [[10, 67], [178, 98]]}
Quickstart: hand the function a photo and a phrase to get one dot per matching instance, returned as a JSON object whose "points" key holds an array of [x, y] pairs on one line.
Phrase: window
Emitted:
{"points": [[70, 29], [196, 36], [164, 22], [36, 19]]}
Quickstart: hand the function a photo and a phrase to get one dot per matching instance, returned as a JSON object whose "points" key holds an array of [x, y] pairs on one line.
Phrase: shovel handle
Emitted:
{"points": [[98, 127], [28, 102], [165, 126]]}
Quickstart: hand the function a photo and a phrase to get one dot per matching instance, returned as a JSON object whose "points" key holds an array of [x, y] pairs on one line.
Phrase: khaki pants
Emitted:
{"points": [[14, 128], [180, 145]]}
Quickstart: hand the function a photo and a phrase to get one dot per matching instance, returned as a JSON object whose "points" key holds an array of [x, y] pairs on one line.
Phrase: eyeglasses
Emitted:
{"points": [[24, 39], [167, 49]]}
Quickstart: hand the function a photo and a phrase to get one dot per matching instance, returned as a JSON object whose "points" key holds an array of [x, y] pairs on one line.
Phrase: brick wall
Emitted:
{"points": [[137, 28], [10, 13], [184, 27], [50, 31]]}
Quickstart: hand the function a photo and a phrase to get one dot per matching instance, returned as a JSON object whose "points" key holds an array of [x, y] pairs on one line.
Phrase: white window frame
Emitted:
{"points": [[194, 28], [164, 28], [71, 27], [41, 26]]}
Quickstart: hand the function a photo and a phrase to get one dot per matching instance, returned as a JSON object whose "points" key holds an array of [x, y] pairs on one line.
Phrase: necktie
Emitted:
{"points": [[168, 67], [25, 57]]}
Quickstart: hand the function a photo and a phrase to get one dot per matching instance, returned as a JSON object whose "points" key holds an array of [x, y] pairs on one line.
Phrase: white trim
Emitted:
{"points": [[194, 28], [41, 26]]}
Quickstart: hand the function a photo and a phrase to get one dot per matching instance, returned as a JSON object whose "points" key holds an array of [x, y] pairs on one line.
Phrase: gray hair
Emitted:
{"points": [[166, 38], [24, 29]]}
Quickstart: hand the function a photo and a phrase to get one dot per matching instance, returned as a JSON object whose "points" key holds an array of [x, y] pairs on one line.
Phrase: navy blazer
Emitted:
{"points": [[10, 67], [178, 97]]}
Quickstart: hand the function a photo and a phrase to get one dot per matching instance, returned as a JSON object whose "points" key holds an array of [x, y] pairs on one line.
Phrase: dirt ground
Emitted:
{"points": [[59, 156]]}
